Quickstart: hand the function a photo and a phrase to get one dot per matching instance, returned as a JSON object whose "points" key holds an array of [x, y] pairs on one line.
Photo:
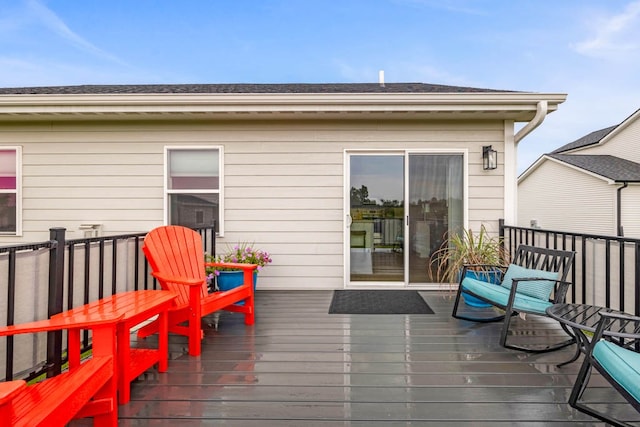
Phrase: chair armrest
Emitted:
{"points": [[621, 316], [179, 280], [58, 323], [619, 325]]}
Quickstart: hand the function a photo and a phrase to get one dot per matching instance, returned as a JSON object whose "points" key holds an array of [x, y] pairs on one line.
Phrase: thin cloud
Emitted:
{"points": [[53, 22], [616, 35]]}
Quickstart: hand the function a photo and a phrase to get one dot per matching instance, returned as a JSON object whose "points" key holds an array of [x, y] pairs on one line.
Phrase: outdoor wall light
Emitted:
{"points": [[489, 158]]}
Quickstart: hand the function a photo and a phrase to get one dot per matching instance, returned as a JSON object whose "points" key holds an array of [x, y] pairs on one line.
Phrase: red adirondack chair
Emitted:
{"points": [[176, 257]]}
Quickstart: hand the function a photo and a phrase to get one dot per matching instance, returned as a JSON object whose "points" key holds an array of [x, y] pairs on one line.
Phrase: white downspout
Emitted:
{"points": [[511, 168], [541, 112]]}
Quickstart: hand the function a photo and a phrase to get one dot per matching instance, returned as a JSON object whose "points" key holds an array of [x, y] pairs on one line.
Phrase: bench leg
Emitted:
{"points": [[124, 353]]}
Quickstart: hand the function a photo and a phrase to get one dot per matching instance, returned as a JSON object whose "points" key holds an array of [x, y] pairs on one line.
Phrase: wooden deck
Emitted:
{"points": [[300, 366]]}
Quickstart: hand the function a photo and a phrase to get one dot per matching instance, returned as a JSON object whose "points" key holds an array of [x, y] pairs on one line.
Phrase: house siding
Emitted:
{"points": [[630, 218], [284, 183], [624, 144], [570, 200]]}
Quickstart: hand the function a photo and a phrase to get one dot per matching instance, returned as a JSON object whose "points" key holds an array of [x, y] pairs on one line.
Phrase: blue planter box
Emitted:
{"points": [[228, 280]]}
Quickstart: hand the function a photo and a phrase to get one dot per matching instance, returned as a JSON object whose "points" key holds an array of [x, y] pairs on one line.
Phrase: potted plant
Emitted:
{"points": [[479, 251], [228, 278]]}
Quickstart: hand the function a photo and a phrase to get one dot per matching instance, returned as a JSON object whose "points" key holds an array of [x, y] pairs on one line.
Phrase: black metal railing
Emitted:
{"points": [[40, 253], [606, 270], [76, 272]]}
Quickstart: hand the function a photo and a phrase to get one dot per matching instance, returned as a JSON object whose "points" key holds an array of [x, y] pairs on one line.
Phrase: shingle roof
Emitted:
{"points": [[245, 88], [590, 139], [610, 167]]}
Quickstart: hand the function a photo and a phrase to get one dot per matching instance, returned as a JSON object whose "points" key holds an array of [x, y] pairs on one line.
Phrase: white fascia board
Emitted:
{"points": [[505, 103], [619, 128]]}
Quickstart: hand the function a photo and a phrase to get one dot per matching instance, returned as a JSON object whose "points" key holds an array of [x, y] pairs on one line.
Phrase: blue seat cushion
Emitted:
{"points": [[540, 289], [500, 295], [621, 364]]}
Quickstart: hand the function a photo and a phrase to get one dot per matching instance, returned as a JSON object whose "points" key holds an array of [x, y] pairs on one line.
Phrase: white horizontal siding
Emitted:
{"points": [[283, 181], [630, 220], [623, 144], [562, 198]]}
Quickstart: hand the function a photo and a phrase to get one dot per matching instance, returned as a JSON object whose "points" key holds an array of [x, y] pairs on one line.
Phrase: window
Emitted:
{"points": [[194, 186], [9, 187]]}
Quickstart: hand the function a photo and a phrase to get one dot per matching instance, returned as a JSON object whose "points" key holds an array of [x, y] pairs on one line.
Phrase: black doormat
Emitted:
{"points": [[378, 302]]}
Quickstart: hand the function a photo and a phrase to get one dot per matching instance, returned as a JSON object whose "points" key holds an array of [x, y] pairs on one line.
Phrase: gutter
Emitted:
{"points": [[542, 108], [619, 207]]}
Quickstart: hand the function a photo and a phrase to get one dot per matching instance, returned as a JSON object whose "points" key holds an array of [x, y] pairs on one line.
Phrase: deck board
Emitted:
{"points": [[300, 366]]}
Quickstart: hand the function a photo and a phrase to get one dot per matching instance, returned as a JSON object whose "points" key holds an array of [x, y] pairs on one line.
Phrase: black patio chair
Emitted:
{"points": [[534, 280], [617, 358]]}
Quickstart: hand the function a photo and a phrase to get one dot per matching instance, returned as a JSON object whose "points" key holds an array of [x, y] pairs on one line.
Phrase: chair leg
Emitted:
{"points": [[456, 303], [579, 387], [505, 332]]}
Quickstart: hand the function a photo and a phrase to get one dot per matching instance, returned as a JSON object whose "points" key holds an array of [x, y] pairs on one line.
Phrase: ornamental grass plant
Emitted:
{"points": [[480, 251]]}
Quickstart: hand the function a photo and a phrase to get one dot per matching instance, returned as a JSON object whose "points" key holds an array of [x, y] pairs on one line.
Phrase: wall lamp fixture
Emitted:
{"points": [[489, 158]]}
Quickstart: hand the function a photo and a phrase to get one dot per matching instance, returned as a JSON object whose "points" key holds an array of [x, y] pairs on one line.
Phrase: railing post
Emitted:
{"points": [[501, 232], [56, 295]]}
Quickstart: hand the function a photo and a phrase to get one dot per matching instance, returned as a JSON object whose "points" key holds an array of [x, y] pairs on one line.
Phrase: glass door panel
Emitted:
{"points": [[435, 203], [376, 232]]}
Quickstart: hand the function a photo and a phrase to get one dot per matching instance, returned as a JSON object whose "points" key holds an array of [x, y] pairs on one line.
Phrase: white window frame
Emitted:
{"points": [[17, 191], [219, 191]]}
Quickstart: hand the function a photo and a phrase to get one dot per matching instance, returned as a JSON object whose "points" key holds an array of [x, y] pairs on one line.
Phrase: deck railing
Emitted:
{"points": [[40, 280], [606, 270]]}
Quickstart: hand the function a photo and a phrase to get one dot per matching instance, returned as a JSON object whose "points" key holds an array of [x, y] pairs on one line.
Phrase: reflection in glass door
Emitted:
{"points": [[435, 208], [392, 195], [376, 212]]}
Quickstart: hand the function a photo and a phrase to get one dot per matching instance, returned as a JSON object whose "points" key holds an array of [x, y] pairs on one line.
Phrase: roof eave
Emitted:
{"points": [[515, 106]]}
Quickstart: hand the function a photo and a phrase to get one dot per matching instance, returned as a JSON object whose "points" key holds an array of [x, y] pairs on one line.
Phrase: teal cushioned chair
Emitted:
{"points": [[534, 280], [618, 361]]}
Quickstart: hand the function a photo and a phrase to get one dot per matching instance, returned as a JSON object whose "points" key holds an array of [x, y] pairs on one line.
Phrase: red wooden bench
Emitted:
{"points": [[87, 389], [133, 308], [176, 257]]}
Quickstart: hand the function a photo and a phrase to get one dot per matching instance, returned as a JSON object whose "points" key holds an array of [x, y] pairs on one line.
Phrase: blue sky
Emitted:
{"points": [[589, 49]]}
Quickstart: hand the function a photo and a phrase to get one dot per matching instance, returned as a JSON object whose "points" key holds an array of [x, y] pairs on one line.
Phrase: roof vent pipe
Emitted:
{"points": [[381, 78]]}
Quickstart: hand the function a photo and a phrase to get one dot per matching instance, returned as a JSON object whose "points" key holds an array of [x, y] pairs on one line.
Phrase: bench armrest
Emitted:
{"points": [[9, 389]]}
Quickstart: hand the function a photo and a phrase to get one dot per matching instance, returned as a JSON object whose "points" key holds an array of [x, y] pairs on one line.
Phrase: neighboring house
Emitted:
{"points": [[293, 168], [591, 185]]}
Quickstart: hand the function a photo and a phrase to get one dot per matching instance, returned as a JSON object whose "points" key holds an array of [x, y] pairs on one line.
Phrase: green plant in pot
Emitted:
{"points": [[481, 253], [227, 278]]}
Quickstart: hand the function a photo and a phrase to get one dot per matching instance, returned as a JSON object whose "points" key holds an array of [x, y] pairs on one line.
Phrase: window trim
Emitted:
{"points": [[17, 191], [220, 191]]}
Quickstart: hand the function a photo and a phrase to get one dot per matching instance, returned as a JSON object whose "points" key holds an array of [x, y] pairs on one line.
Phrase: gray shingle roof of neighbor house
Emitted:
{"points": [[247, 89], [589, 139], [610, 167]]}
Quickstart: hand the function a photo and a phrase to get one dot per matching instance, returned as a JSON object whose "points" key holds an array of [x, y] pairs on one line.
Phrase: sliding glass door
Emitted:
{"points": [[396, 195], [435, 205], [376, 212]]}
